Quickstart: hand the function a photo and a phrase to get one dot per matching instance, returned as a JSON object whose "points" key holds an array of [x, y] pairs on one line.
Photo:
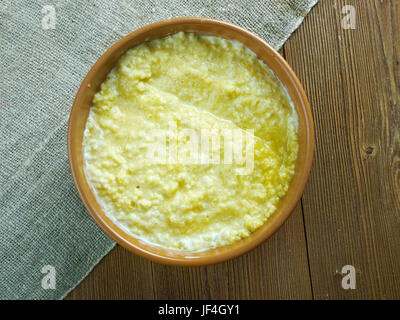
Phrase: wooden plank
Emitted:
{"points": [[119, 274], [352, 201], [277, 269]]}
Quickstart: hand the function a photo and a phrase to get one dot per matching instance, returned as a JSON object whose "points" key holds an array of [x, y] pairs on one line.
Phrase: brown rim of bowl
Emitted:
{"points": [[96, 76]]}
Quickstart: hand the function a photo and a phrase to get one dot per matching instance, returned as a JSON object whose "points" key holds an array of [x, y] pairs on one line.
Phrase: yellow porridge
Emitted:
{"points": [[158, 134]]}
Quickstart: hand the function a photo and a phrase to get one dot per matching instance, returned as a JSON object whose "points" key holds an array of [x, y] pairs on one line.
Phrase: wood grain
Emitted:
{"points": [[352, 202], [351, 206]]}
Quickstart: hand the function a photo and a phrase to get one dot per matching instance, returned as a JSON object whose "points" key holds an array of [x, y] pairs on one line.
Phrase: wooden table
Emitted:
{"points": [[350, 211]]}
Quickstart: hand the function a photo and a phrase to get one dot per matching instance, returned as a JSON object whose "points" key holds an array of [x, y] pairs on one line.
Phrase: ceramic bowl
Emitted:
{"points": [[98, 73]]}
